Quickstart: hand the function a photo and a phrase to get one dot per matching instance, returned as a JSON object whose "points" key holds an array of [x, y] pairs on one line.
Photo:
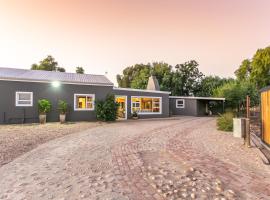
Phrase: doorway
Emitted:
{"points": [[122, 109]]}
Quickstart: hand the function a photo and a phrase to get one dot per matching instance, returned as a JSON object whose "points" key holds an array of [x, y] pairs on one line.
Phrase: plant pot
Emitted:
{"points": [[135, 117], [42, 118], [62, 118]]}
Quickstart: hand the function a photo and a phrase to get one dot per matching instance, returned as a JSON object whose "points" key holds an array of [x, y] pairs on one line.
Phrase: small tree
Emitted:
{"points": [[44, 106], [107, 110], [79, 70], [62, 107]]}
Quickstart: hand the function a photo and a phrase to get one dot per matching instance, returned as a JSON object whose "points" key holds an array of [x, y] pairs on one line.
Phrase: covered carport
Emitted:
{"points": [[196, 106]]}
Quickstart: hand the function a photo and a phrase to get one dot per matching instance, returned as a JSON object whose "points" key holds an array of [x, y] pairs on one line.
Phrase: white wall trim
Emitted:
{"points": [[199, 98], [141, 90], [84, 109], [176, 102], [17, 99], [147, 113]]}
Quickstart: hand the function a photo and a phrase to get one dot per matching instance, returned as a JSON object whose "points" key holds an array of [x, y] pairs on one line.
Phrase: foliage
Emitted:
{"points": [[243, 72], [62, 107], [48, 64], [235, 93], [256, 70], [184, 79], [209, 84], [260, 68], [107, 110], [135, 114], [190, 78], [44, 106], [79, 70], [225, 122]]}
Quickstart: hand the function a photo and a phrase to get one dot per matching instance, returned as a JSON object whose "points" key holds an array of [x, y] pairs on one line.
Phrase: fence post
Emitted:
{"points": [[247, 132]]}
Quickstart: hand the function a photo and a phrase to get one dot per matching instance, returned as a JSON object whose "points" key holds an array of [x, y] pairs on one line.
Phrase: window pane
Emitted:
{"points": [[24, 96], [81, 102]]}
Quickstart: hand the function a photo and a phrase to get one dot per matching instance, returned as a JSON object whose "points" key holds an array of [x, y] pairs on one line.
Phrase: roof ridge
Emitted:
{"points": [[22, 69]]}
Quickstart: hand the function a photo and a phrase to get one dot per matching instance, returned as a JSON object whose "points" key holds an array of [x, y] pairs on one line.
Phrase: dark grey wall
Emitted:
{"points": [[201, 107], [165, 102], [189, 110], [45, 90]]}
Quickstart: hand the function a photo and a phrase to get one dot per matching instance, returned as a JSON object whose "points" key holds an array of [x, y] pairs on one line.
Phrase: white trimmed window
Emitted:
{"points": [[84, 102], [24, 99], [180, 103], [146, 105]]}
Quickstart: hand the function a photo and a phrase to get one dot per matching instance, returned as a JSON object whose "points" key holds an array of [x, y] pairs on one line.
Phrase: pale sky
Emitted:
{"points": [[109, 35]]}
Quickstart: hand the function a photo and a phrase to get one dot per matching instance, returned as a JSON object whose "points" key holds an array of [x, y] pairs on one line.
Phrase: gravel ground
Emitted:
{"points": [[16, 140], [181, 158]]}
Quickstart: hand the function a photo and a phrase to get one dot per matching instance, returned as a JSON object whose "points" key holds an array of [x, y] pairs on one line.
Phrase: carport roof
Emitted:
{"points": [[24, 75], [199, 98]]}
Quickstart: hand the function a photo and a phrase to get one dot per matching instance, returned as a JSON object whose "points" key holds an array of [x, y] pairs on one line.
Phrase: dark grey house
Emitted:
{"points": [[195, 106], [21, 89]]}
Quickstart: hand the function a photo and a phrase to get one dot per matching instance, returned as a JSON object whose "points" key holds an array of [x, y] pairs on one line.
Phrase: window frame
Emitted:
{"points": [[23, 105], [84, 109], [177, 105], [147, 113]]}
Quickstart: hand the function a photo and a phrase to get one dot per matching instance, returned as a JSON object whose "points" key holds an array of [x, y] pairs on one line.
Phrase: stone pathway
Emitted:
{"points": [[148, 159]]}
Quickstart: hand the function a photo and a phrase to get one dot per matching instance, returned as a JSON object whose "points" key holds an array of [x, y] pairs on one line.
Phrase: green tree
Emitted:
{"points": [[209, 84], [235, 93], [244, 70], [79, 70], [47, 64], [187, 78], [260, 68]]}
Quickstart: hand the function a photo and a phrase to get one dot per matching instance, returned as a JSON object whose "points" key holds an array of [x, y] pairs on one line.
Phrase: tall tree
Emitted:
{"points": [[209, 84], [79, 70], [187, 78], [260, 68], [47, 64], [244, 70]]}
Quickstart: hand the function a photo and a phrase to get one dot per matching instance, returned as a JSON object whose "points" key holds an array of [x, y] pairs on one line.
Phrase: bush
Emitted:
{"points": [[107, 110], [62, 107], [225, 122], [44, 106]]}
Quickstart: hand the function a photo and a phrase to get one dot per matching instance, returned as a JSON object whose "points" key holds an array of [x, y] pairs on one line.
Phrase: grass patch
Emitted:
{"points": [[225, 122]]}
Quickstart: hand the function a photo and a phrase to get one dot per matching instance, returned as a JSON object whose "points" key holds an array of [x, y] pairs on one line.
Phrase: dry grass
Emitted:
{"points": [[16, 140]]}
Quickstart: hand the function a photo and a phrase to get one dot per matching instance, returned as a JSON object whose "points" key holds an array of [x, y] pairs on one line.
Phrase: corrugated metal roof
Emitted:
{"points": [[49, 76]]}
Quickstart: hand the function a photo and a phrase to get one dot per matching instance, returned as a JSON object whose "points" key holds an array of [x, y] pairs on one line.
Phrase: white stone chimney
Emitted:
{"points": [[153, 84]]}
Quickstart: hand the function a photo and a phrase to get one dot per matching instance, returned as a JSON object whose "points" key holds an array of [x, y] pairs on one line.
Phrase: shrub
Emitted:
{"points": [[62, 107], [107, 110], [225, 122], [44, 106]]}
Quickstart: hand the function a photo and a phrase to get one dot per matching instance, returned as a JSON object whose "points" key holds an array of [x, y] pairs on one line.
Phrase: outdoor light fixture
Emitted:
{"points": [[55, 83]]}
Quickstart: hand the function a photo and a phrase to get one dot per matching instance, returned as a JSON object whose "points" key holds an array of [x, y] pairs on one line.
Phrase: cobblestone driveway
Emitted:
{"points": [[183, 158]]}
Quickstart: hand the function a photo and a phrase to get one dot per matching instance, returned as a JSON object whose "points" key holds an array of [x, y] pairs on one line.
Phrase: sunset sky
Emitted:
{"points": [[109, 35]]}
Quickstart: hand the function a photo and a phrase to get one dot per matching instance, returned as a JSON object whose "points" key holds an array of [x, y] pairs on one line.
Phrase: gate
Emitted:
{"points": [[265, 115]]}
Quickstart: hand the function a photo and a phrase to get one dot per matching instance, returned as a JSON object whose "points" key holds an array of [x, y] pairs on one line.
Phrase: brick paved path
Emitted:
{"points": [[149, 159]]}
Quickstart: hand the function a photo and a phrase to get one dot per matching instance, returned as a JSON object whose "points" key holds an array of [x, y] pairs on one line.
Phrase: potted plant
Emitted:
{"points": [[135, 115], [44, 106], [62, 107]]}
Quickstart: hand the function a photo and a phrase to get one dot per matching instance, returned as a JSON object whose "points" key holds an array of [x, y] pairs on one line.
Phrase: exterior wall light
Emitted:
{"points": [[55, 84]]}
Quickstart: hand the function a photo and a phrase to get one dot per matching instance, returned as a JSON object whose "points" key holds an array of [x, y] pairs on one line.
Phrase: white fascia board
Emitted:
{"points": [[141, 90], [199, 98]]}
